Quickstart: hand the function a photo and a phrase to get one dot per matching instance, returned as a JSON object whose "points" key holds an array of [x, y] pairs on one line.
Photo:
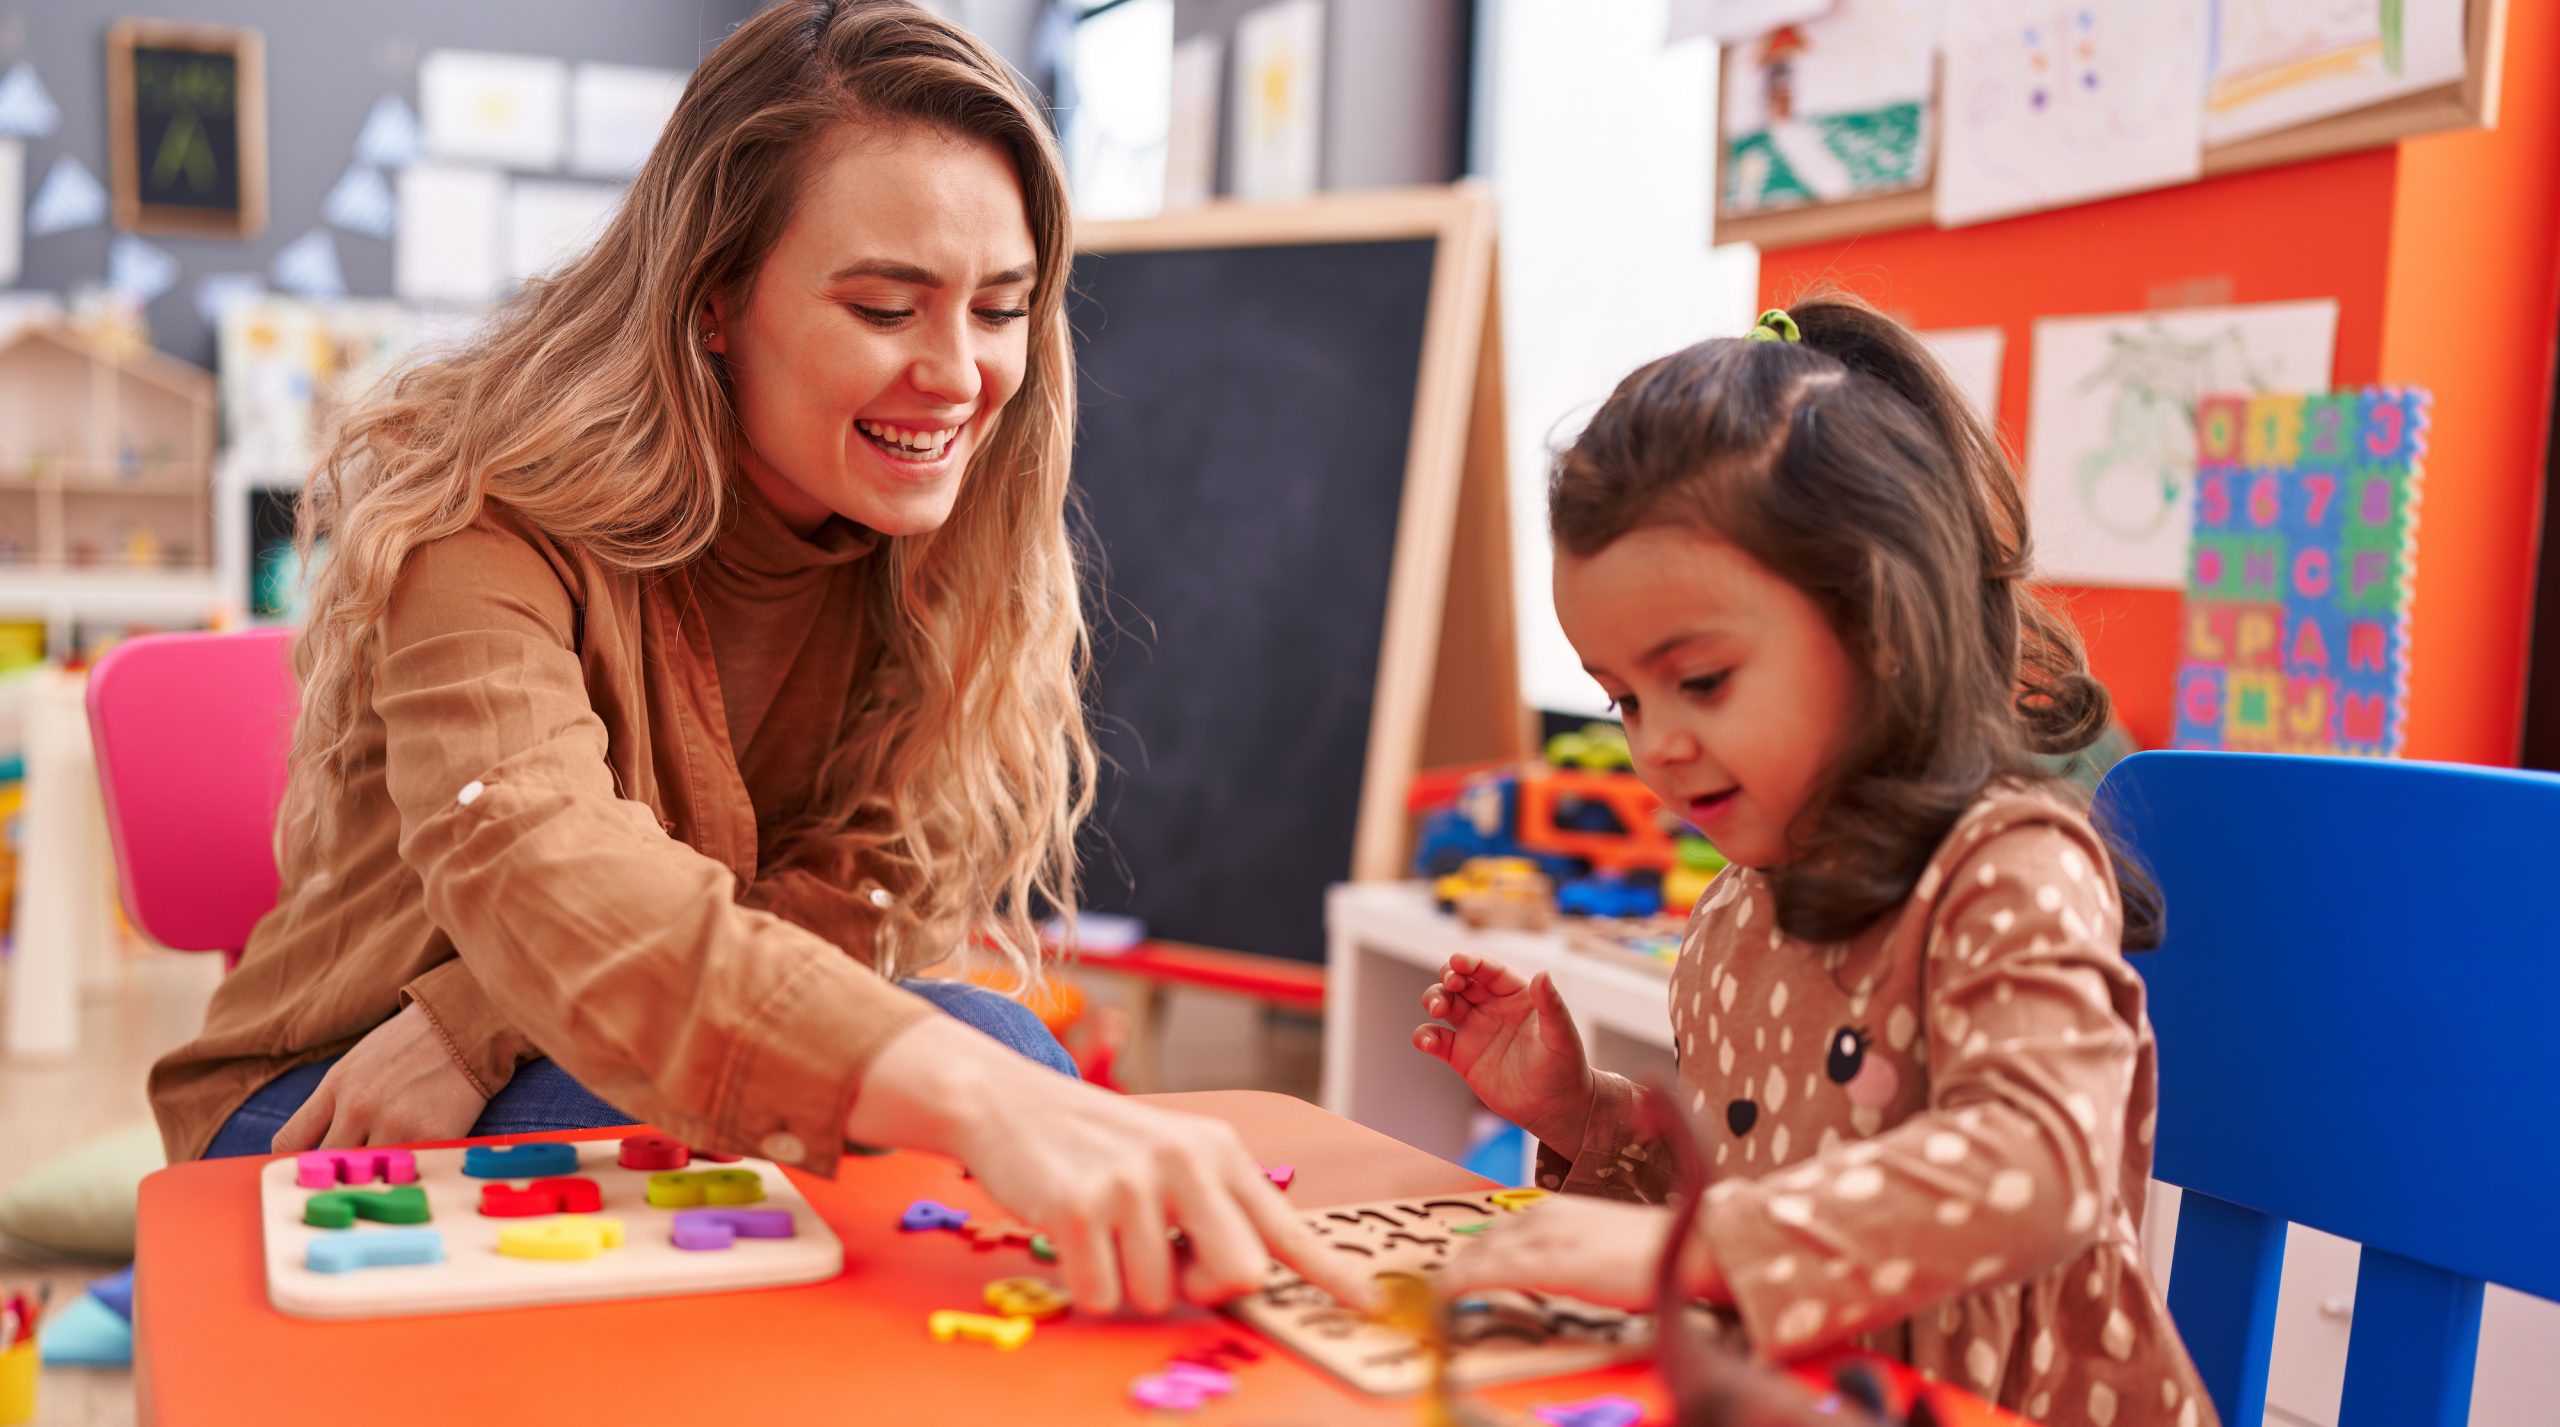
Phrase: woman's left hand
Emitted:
{"points": [[398, 1086], [1597, 1250]]}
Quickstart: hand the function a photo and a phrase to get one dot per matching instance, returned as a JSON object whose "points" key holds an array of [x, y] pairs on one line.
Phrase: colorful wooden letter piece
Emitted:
{"points": [[1182, 1387], [1005, 1333], [702, 1230], [653, 1152], [1042, 1250], [1217, 1355], [694, 1188], [927, 1214], [536, 1161], [568, 1236], [998, 1234], [340, 1208], [391, 1249], [1512, 1201], [1280, 1175], [543, 1196], [1592, 1412], [1477, 1227], [327, 1169], [1034, 1298]]}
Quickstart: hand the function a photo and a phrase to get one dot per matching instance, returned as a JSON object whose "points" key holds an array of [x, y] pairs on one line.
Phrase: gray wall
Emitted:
{"points": [[1394, 86], [327, 61]]}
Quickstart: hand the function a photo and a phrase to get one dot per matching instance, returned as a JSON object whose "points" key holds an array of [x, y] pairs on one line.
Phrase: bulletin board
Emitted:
{"points": [[187, 129], [2470, 102]]}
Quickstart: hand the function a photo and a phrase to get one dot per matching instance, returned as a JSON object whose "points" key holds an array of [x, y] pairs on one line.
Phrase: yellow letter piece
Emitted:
{"points": [[1006, 1333], [1034, 1298], [563, 1236], [1512, 1201], [693, 1188]]}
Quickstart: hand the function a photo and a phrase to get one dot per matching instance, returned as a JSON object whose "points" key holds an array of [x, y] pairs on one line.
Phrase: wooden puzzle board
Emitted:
{"points": [[1495, 1337], [475, 1275]]}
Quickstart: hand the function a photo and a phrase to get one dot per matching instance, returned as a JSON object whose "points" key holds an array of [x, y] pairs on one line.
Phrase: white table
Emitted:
{"points": [[1386, 943]]}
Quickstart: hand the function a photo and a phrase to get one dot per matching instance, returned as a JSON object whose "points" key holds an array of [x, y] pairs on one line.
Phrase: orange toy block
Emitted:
{"points": [[1034, 1298]]}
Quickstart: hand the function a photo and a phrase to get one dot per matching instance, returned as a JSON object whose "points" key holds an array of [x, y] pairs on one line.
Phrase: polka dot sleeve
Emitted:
{"points": [[1615, 1160], [2004, 1174]]}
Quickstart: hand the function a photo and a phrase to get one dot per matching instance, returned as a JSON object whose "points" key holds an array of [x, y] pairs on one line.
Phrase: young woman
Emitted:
{"points": [[698, 653]]}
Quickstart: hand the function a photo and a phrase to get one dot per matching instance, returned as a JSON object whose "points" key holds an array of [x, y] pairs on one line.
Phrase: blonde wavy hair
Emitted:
{"points": [[589, 407]]}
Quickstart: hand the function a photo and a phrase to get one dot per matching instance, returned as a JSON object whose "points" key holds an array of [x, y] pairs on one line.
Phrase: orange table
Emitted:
{"points": [[211, 1351]]}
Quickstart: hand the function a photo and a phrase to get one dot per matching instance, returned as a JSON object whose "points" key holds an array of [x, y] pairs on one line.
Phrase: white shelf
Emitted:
{"points": [[143, 596]]}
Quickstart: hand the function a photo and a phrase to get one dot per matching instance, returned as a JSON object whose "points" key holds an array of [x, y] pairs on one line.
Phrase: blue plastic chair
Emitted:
{"points": [[2355, 1005]]}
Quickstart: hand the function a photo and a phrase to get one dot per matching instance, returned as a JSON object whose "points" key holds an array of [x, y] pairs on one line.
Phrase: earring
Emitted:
{"points": [[709, 336]]}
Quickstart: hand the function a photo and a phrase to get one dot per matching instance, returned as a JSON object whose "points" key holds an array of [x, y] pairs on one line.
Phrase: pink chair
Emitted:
{"points": [[191, 733]]}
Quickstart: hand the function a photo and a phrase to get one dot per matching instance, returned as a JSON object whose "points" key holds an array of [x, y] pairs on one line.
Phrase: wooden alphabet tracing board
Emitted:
{"points": [[1500, 1336]]}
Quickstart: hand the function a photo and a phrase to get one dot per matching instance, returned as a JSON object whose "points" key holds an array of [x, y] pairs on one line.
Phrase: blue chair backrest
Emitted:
{"points": [[2355, 1002]]}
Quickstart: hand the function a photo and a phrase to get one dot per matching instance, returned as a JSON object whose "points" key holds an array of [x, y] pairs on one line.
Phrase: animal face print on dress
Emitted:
{"points": [[1871, 1080]]}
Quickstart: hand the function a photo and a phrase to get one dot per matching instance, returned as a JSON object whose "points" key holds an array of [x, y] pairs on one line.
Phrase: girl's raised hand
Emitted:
{"points": [[1514, 1044]]}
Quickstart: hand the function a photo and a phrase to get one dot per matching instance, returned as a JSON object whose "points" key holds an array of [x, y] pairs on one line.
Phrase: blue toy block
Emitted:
{"points": [[545, 1160], [116, 1291], [88, 1334], [393, 1248]]}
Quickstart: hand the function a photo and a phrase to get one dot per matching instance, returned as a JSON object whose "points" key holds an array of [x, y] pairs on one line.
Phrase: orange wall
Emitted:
{"points": [[2401, 238], [2469, 314]]}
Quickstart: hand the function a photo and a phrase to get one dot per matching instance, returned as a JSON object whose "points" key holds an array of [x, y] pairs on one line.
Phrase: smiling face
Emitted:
{"points": [[885, 331], [1736, 694]]}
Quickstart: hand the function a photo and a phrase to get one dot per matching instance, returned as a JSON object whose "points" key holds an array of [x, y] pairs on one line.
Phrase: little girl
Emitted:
{"points": [[1906, 1032]]}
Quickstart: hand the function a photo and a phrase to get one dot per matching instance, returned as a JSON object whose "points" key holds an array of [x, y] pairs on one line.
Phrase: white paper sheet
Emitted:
{"points": [[2111, 438], [549, 222], [1191, 136], [617, 113], [1972, 356], [2052, 102], [1278, 105], [2278, 63], [1835, 108], [1122, 115], [494, 108], [449, 235], [1729, 22]]}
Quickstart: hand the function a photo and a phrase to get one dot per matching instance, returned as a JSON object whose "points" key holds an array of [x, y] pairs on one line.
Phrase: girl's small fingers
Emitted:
{"points": [[347, 1131], [303, 1130], [1429, 1041], [1146, 1255]]}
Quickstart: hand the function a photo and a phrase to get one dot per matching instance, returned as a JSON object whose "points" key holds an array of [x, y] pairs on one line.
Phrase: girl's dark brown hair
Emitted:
{"points": [[1849, 466]]}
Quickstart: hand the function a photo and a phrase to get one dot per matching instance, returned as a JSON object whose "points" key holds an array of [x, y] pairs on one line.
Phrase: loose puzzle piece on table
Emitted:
{"points": [[1499, 1336]]}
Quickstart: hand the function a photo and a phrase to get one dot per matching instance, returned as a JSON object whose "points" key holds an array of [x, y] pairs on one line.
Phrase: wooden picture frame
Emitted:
{"points": [[1447, 690], [188, 124], [2470, 102]]}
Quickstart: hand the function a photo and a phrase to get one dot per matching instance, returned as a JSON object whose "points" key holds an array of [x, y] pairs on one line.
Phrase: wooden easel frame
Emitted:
{"points": [[1448, 684], [2470, 102], [248, 52]]}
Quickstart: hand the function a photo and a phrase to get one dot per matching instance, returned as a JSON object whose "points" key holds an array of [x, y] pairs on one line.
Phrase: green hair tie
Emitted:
{"points": [[1775, 325]]}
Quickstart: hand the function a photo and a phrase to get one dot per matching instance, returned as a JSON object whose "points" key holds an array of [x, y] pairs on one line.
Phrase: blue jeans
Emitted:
{"points": [[542, 1096]]}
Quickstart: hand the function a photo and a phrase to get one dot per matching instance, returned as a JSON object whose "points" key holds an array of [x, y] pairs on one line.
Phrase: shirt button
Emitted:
{"points": [[471, 792], [784, 1147]]}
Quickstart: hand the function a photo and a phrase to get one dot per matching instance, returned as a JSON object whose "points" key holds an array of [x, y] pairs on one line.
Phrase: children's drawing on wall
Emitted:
{"points": [[2111, 444], [1833, 108], [2051, 102], [2277, 63], [1278, 99]]}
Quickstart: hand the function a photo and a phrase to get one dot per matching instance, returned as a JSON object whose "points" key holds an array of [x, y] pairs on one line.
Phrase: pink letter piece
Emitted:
{"points": [[1595, 1412], [705, 1229], [1280, 1174], [1182, 1387], [327, 1169]]}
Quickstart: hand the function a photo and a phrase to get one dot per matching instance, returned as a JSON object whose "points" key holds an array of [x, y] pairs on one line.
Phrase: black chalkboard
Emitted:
{"points": [[186, 128], [186, 111], [1240, 457]]}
